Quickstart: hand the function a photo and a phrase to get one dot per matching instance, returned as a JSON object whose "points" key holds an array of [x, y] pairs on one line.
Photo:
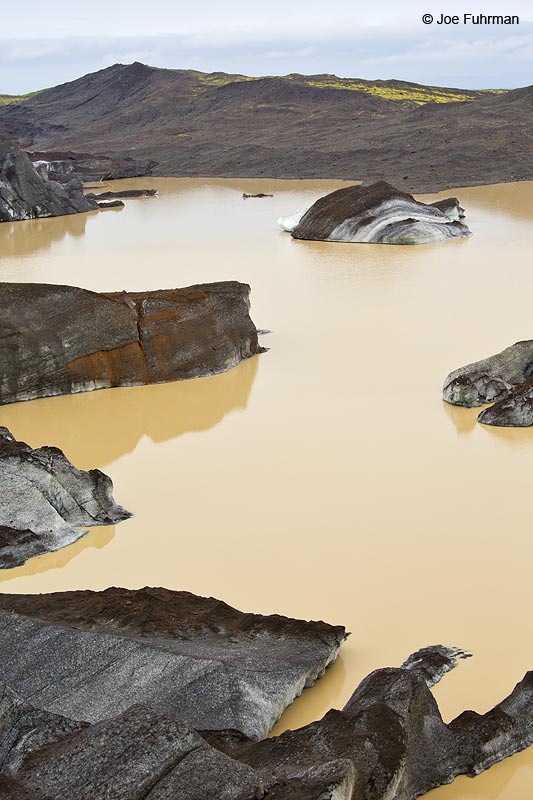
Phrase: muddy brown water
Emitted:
{"points": [[325, 478]]}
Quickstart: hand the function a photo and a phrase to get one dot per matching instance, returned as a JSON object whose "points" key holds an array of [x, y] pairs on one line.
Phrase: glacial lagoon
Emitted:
{"points": [[325, 478]]}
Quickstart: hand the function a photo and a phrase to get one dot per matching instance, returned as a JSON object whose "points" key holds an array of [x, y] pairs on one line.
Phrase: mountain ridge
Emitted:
{"points": [[188, 123]]}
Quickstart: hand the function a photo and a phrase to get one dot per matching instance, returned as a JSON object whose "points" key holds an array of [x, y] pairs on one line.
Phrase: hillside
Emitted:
{"points": [[12, 99], [186, 123]]}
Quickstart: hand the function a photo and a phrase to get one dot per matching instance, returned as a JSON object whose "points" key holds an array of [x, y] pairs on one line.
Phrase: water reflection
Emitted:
{"points": [[464, 419], [516, 437], [28, 237], [95, 538], [509, 199], [96, 428], [510, 778]]}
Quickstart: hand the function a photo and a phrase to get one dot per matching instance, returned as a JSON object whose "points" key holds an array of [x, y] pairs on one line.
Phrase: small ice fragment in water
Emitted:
{"points": [[290, 223]]}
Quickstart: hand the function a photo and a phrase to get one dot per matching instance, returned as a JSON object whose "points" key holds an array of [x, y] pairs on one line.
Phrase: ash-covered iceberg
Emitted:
{"points": [[379, 214]]}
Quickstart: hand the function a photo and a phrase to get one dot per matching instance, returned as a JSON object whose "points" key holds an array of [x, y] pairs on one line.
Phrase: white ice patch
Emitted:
{"points": [[453, 213], [42, 168], [290, 223]]}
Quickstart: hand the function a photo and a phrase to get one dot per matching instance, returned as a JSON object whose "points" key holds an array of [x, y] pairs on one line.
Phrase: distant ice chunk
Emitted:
{"points": [[43, 168]]}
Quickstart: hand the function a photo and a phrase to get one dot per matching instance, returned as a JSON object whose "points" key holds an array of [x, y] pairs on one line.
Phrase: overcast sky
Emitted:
{"points": [[385, 40]]}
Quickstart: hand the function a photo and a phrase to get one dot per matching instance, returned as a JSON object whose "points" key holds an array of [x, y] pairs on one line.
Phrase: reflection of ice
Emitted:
{"points": [[27, 237], [289, 223], [96, 537], [515, 437], [96, 428], [464, 419]]}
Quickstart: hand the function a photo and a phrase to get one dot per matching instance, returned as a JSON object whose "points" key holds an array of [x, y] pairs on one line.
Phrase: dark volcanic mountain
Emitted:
{"points": [[187, 123]]}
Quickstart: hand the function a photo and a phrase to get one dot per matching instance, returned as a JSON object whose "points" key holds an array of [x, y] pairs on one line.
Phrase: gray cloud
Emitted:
{"points": [[230, 21]]}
